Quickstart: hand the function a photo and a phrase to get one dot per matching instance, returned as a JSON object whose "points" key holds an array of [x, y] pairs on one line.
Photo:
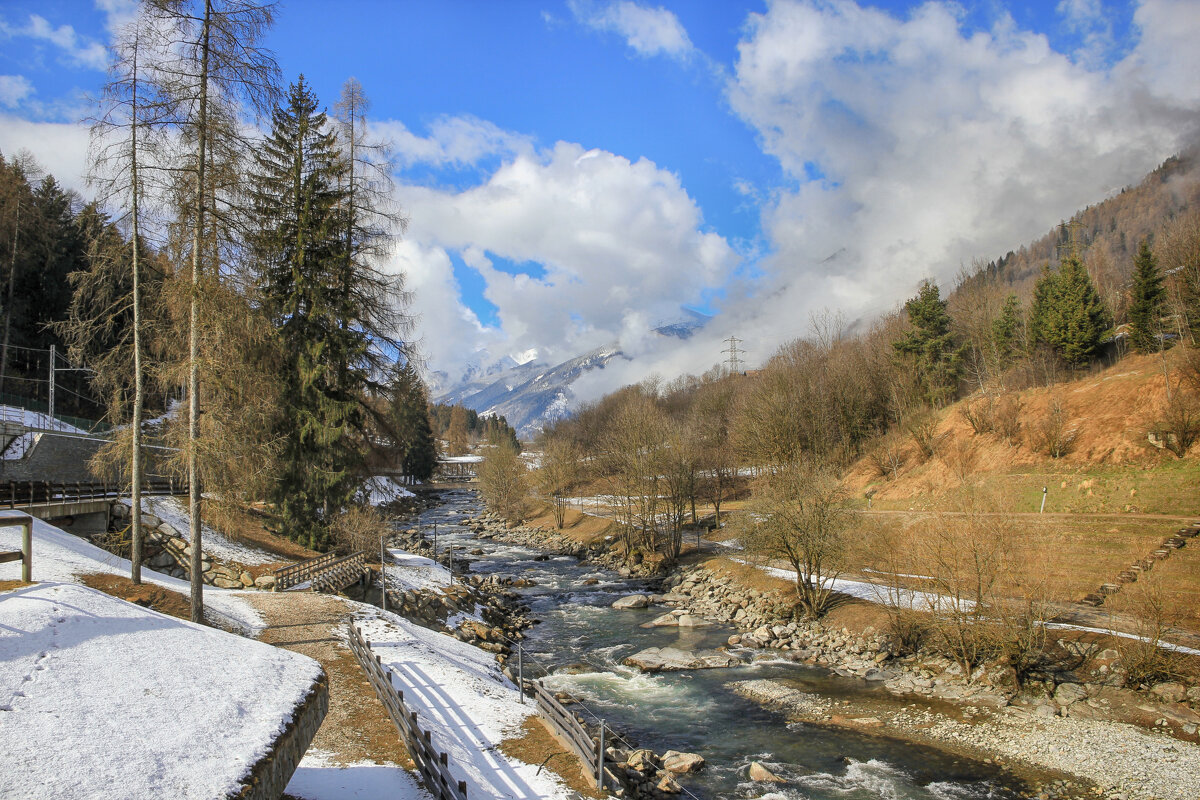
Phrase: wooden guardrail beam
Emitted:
{"points": [[25, 556]]}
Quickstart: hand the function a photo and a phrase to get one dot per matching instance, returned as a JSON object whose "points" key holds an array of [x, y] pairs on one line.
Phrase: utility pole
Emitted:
{"points": [[733, 352]]}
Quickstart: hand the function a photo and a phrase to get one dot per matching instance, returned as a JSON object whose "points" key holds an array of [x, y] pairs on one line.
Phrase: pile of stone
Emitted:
{"points": [[167, 550], [646, 775]]}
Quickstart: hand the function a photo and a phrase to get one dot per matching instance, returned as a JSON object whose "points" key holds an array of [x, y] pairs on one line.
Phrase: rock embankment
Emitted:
{"points": [[167, 550]]}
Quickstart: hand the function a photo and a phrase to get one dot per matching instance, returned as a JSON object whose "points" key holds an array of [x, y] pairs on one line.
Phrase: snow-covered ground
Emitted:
{"points": [[462, 459], [467, 705], [101, 698], [60, 556], [318, 778], [381, 490], [925, 601], [418, 573], [173, 511]]}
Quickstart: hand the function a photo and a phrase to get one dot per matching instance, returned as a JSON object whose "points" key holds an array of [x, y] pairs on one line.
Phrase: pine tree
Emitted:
{"points": [[1068, 314], [937, 357], [409, 424], [299, 251], [1147, 302]]}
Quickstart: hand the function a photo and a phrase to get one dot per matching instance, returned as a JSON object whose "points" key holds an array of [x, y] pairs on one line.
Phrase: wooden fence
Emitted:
{"points": [[22, 494], [25, 554], [573, 732], [433, 764]]}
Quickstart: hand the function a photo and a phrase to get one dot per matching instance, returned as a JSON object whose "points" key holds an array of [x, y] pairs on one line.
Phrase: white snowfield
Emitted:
{"points": [[100, 698], [60, 556], [467, 705], [36, 419]]}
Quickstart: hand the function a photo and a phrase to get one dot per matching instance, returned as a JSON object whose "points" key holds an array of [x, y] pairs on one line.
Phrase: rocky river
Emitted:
{"points": [[583, 646]]}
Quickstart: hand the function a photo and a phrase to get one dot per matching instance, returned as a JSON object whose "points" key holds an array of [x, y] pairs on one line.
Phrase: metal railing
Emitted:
{"points": [[29, 494], [434, 765]]}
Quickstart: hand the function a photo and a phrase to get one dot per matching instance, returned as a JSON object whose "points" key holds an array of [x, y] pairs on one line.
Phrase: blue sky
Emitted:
{"points": [[576, 172]]}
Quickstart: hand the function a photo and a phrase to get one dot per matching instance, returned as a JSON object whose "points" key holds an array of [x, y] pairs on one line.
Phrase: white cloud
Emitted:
{"points": [[937, 145], [14, 89], [621, 245], [80, 52], [1088, 19], [648, 31], [60, 148], [455, 141]]}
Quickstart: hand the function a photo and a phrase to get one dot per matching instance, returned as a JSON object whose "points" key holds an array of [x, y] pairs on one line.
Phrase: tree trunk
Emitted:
{"points": [[135, 555], [193, 466]]}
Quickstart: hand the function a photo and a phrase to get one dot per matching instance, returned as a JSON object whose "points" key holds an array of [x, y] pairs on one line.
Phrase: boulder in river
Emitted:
{"points": [[672, 659], [679, 763], [665, 621], [632, 601], [763, 775]]}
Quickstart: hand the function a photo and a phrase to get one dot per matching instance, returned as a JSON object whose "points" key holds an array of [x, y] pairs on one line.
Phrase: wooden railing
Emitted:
{"points": [[301, 571], [26, 494], [434, 765], [25, 554], [328, 572], [340, 573], [573, 732]]}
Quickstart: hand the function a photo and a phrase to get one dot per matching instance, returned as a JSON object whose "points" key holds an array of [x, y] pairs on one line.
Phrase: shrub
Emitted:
{"points": [[1054, 434]]}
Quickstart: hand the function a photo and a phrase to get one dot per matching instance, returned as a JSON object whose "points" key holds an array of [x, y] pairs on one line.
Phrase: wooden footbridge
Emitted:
{"points": [[329, 573]]}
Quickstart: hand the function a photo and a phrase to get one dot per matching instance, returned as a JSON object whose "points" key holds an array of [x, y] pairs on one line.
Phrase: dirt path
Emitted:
{"points": [[357, 728]]}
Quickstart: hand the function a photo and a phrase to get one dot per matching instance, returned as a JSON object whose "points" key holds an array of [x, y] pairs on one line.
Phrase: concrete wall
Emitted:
{"points": [[53, 458]]}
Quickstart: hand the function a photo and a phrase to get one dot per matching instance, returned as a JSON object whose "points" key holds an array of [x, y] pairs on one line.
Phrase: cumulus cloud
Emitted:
{"points": [[616, 247], [80, 52], [648, 31], [937, 145], [14, 89]]}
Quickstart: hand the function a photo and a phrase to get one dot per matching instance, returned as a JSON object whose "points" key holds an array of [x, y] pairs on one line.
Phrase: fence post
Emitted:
{"points": [[600, 759], [520, 675], [27, 549], [382, 575]]}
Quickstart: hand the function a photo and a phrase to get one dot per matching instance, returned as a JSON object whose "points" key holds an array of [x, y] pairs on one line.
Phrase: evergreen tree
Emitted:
{"points": [[1147, 302], [299, 251], [1068, 314], [408, 421], [1006, 332], [938, 359]]}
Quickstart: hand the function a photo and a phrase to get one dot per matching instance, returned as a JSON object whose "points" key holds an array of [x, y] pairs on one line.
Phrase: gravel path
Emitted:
{"points": [[357, 728]]}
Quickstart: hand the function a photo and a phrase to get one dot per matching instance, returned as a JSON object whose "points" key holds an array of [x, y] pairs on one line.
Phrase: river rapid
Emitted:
{"points": [[581, 640]]}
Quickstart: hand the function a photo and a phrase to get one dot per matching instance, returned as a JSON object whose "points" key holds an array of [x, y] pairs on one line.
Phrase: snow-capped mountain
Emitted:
{"points": [[533, 393]]}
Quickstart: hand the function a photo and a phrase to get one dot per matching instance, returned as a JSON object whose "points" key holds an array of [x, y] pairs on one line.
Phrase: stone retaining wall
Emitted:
{"points": [[270, 775]]}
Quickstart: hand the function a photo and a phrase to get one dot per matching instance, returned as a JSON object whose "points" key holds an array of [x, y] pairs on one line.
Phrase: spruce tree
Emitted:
{"points": [[1147, 301], [299, 251], [1006, 331], [936, 356], [1068, 314]]}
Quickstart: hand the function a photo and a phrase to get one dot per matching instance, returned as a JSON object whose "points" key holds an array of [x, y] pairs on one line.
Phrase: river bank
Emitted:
{"points": [[1063, 740]]}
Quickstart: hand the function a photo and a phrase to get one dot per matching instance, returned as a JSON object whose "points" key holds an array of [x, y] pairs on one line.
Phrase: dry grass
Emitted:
{"points": [[581, 527], [1111, 468], [1179, 580], [536, 745], [249, 526], [147, 595], [8, 586]]}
